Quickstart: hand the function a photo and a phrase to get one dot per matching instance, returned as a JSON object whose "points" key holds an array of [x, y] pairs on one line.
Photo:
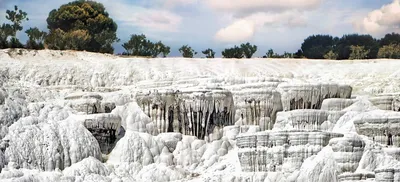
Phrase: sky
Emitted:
{"points": [[218, 24]]}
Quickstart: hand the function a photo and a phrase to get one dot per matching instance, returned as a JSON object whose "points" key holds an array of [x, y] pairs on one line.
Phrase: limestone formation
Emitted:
{"points": [[193, 112], [336, 104], [104, 127], [279, 150], [258, 106], [89, 103], [310, 96], [307, 119], [347, 177], [347, 152], [380, 126]]}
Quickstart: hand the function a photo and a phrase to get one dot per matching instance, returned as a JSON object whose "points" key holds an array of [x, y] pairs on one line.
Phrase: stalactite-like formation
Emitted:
{"points": [[380, 126], [104, 128], [310, 96], [193, 112], [347, 152], [304, 119], [281, 150], [258, 106]]}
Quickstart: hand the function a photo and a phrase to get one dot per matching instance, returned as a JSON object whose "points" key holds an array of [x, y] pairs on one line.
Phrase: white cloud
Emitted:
{"points": [[252, 6], [240, 30], [146, 18], [245, 28], [174, 3], [381, 21]]}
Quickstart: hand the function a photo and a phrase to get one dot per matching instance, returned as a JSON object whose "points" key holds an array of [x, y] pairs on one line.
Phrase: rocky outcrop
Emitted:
{"points": [[193, 112]]}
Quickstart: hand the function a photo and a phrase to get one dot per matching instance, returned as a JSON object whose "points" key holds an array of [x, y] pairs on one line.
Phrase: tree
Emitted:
{"points": [[316, 46], [235, 52], [16, 17], [392, 38], [358, 52], [6, 31], [165, 50], [343, 47], [270, 53], [187, 51], [248, 49], [287, 55], [391, 51], [36, 38], [89, 20], [56, 40], [298, 54], [331, 55], [209, 53], [138, 45]]}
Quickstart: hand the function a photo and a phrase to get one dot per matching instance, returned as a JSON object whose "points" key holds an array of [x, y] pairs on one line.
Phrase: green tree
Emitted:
{"points": [[287, 55], [234, 52], [6, 31], [391, 51], [16, 17], [270, 53], [209, 53], [187, 51], [36, 38], [390, 39], [298, 54], [56, 40], [139, 45], [331, 55], [316, 46], [343, 46], [358, 52], [248, 49], [82, 16], [165, 50]]}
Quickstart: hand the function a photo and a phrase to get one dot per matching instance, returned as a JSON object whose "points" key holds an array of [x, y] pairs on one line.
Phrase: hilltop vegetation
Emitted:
{"points": [[86, 26]]}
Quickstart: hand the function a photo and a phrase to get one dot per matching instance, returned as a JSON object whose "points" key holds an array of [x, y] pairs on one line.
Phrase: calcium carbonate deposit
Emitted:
{"points": [[78, 116]]}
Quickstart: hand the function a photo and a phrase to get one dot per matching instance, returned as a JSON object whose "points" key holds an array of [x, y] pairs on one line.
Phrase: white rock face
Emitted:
{"points": [[195, 112], [79, 116], [49, 146]]}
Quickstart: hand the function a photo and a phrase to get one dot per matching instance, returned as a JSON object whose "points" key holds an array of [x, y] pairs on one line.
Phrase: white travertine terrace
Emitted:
{"points": [[309, 95], [194, 112], [348, 151], [380, 126], [280, 150], [257, 106], [336, 104], [280, 120]]}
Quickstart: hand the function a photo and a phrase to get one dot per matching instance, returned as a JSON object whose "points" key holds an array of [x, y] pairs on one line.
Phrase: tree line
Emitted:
{"points": [[86, 25]]}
